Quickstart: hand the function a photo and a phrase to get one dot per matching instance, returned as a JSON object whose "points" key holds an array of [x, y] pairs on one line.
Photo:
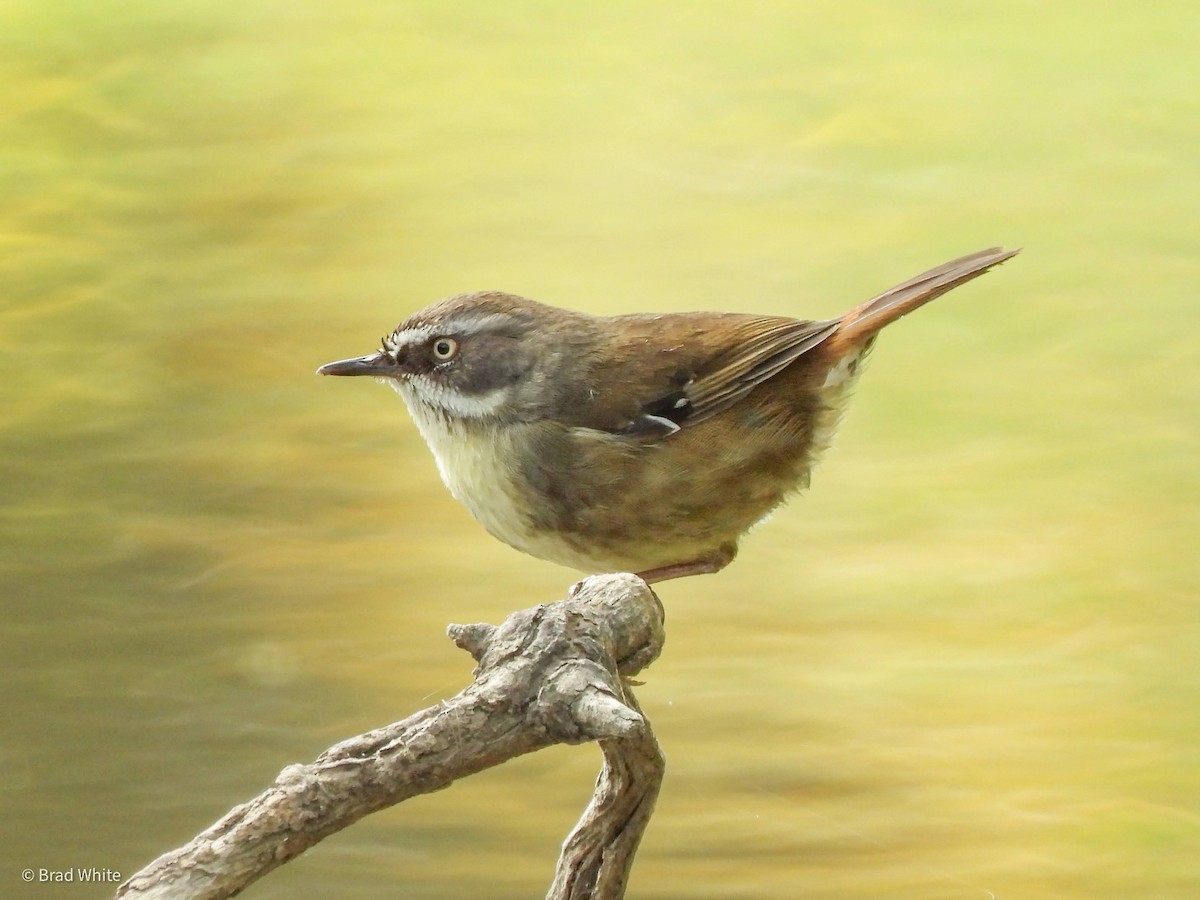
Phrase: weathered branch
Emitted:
{"points": [[598, 855], [547, 675]]}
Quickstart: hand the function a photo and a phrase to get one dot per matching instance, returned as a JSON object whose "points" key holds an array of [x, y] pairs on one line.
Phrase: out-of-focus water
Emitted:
{"points": [[965, 665]]}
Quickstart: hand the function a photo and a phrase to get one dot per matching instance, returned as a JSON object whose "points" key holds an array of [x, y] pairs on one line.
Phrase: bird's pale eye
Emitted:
{"points": [[445, 348]]}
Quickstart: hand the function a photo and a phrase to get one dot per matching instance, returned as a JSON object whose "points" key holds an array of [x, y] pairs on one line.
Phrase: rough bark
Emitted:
{"points": [[551, 674]]}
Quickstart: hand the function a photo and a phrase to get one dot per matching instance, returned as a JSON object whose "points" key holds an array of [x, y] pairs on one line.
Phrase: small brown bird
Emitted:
{"points": [[645, 443]]}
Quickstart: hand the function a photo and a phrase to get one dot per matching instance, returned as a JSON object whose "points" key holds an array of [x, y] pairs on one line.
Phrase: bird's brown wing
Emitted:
{"points": [[660, 374], [681, 369], [769, 346]]}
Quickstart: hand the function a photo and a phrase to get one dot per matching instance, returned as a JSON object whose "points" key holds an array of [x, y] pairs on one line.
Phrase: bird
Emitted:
{"points": [[644, 443]]}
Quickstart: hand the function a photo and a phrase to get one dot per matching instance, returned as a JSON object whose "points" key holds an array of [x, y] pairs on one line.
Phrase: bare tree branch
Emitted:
{"points": [[598, 854], [549, 674]]}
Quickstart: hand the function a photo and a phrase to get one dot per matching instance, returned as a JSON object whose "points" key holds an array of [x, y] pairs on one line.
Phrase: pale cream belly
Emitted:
{"points": [[599, 502], [475, 464]]}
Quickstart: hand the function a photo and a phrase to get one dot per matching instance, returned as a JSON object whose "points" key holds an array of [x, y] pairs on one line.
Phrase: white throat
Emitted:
{"points": [[422, 391], [472, 457]]}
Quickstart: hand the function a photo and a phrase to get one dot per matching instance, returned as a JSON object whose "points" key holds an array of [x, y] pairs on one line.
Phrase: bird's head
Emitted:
{"points": [[485, 357]]}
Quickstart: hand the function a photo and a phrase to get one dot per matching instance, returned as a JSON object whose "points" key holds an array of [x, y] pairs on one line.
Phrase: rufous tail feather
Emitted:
{"points": [[862, 323]]}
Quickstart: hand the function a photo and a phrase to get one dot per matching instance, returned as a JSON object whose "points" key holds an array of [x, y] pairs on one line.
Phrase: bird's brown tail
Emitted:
{"points": [[863, 322]]}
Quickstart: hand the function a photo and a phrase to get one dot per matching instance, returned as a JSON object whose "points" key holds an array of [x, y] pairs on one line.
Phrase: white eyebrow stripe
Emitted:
{"points": [[416, 334], [419, 334], [477, 324]]}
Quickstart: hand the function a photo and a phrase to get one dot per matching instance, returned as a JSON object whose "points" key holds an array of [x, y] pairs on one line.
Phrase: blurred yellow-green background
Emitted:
{"points": [[965, 665]]}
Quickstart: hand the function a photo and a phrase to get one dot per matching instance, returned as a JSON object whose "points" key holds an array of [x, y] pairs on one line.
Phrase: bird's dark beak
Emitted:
{"points": [[378, 364]]}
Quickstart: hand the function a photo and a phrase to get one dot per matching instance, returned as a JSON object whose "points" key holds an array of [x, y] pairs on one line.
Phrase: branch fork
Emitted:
{"points": [[554, 673]]}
